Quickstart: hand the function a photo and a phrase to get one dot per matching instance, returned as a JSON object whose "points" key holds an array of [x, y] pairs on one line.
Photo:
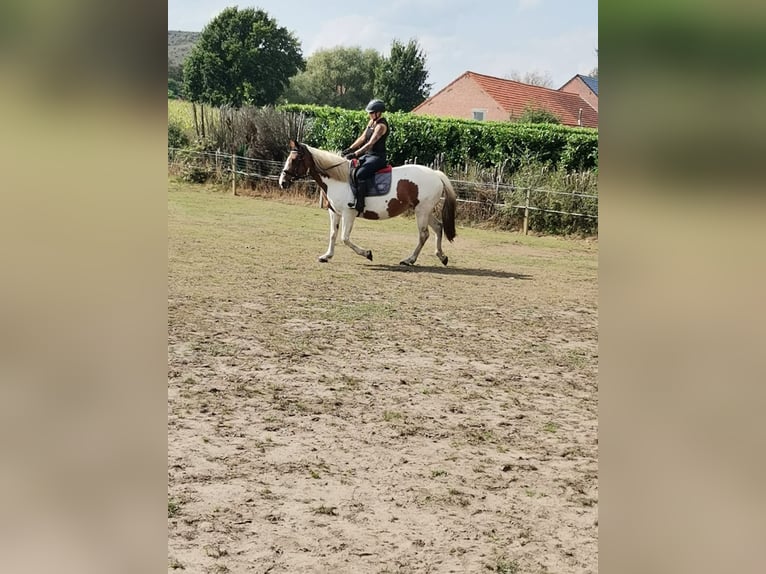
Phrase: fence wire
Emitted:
{"points": [[496, 196]]}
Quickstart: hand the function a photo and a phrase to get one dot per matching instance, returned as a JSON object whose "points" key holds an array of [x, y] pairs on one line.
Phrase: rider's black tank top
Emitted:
{"points": [[379, 148]]}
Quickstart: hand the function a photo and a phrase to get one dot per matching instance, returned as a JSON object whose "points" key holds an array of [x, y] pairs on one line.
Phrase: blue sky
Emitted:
{"points": [[498, 38]]}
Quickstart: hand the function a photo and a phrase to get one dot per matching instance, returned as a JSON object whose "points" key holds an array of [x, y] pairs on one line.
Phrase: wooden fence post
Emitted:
{"points": [[497, 193], [525, 225], [234, 174]]}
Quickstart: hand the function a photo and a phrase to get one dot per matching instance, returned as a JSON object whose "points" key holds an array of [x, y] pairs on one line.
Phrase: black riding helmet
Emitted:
{"points": [[375, 106]]}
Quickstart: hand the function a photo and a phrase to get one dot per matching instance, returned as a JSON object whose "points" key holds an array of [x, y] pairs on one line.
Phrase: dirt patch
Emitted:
{"points": [[366, 417]]}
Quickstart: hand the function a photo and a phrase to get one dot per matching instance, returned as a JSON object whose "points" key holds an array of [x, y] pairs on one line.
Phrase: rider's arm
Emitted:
{"points": [[379, 132], [357, 142]]}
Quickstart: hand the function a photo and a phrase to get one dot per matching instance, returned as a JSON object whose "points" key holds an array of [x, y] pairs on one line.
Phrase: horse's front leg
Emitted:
{"points": [[349, 215], [334, 225]]}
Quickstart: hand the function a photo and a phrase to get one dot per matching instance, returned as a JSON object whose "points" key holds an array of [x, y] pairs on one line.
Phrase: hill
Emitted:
{"points": [[179, 46]]}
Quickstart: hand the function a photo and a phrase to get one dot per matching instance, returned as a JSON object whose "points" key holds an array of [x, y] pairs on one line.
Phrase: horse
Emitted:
{"points": [[412, 186]]}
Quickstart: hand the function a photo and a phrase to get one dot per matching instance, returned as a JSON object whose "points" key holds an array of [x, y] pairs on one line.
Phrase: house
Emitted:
{"points": [[480, 97], [584, 86]]}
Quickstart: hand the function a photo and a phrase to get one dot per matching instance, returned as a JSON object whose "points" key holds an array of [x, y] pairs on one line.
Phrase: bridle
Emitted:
{"points": [[299, 156], [313, 172], [293, 176]]}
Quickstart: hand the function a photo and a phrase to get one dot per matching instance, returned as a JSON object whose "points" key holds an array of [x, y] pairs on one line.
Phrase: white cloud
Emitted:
{"points": [[528, 4], [352, 30]]}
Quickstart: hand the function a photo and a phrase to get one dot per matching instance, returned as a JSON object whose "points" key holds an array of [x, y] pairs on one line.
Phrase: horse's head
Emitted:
{"points": [[296, 166]]}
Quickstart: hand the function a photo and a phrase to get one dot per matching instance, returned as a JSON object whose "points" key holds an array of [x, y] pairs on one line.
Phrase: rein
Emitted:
{"points": [[314, 168], [294, 176], [332, 166], [316, 174]]}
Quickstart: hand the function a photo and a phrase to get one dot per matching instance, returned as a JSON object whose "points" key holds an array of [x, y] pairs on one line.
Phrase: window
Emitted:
{"points": [[479, 115]]}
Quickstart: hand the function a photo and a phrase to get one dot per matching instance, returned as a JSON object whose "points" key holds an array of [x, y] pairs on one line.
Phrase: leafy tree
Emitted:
{"points": [[400, 80], [241, 57], [338, 77], [532, 115], [176, 136], [174, 89], [542, 79], [594, 72], [175, 71]]}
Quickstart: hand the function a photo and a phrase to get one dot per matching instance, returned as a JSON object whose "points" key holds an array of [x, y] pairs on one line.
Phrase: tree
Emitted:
{"points": [[175, 71], [400, 80], [533, 115], [175, 89], [542, 79], [338, 77], [594, 71], [241, 57]]}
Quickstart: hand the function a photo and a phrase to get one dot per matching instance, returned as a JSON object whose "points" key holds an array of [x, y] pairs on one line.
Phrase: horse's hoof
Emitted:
{"points": [[369, 255], [323, 260], [405, 262], [444, 261]]}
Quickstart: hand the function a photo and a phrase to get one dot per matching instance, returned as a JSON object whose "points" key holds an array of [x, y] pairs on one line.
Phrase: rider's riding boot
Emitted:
{"points": [[361, 191], [358, 184]]}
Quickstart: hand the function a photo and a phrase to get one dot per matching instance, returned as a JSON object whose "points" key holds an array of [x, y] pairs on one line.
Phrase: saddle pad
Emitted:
{"points": [[382, 181]]}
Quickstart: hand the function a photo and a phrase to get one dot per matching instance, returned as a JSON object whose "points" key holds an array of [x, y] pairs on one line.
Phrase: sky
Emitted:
{"points": [[557, 38]]}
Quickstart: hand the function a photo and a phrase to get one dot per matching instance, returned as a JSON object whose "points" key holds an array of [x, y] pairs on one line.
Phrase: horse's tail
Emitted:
{"points": [[449, 207]]}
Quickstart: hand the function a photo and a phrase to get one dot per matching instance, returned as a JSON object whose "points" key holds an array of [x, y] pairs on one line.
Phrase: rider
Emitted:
{"points": [[371, 146]]}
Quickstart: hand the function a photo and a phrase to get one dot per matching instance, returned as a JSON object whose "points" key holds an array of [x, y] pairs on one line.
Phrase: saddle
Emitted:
{"points": [[381, 180]]}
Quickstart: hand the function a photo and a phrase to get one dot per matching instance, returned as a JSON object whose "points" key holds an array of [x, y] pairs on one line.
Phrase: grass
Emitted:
{"points": [[551, 427], [181, 113], [504, 566], [174, 508], [390, 416]]}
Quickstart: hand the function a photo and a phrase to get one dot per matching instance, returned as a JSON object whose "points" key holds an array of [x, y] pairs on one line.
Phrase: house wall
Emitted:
{"points": [[459, 100], [577, 86]]}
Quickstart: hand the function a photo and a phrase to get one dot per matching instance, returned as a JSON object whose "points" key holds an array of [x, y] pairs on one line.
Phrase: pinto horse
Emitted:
{"points": [[412, 186]]}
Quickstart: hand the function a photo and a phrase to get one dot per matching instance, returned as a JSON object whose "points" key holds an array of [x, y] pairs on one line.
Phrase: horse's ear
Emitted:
{"points": [[292, 144]]}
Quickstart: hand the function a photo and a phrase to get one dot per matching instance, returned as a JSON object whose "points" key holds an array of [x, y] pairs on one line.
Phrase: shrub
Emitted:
{"points": [[537, 116], [177, 138], [255, 132], [459, 141], [551, 191], [175, 89]]}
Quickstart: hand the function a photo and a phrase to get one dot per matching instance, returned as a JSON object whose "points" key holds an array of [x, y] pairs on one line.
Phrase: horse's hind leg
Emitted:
{"points": [[422, 219], [334, 224], [437, 226], [348, 225]]}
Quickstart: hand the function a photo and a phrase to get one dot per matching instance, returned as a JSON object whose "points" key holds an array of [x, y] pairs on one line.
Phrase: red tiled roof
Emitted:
{"points": [[513, 97]]}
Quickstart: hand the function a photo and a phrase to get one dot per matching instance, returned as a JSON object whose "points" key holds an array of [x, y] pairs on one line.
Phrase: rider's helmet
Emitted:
{"points": [[375, 106]]}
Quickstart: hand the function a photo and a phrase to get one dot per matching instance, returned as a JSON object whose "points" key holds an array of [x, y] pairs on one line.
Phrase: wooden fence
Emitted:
{"points": [[488, 199]]}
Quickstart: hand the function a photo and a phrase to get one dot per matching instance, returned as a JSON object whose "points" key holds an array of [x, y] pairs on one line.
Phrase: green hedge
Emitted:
{"points": [[458, 141]]}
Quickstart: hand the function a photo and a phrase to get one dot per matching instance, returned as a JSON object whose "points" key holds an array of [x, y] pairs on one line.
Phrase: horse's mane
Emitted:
{"points": [[334, 165]]}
